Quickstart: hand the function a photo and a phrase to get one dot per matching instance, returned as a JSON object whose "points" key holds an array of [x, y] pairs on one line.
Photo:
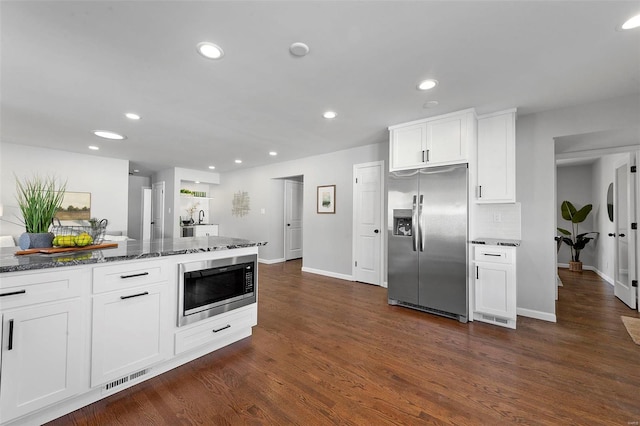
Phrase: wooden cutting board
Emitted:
{"points": [[51, 250]]}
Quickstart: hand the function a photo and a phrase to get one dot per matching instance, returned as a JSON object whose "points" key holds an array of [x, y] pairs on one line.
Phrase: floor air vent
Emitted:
{"points": [[125, 379], [494, 319]]}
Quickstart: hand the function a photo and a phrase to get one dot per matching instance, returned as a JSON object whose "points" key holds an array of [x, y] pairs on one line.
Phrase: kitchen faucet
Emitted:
{"points": [[201, 216]]}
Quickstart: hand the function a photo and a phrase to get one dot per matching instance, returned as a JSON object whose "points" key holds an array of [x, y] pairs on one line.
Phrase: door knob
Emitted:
{"points": [[612, 234], [376, 231], [621, 235], [288, 224]]}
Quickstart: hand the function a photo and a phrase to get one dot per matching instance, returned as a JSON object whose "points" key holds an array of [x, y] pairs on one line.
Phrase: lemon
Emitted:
{"points": [[83, 239]]}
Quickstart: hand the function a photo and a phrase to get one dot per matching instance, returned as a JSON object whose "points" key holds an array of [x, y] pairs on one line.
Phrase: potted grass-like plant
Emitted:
{"points": [[39, 198]]}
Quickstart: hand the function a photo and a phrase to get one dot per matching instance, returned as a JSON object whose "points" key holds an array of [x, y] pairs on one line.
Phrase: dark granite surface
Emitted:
{"points": [[126, 250], [497, 242]]}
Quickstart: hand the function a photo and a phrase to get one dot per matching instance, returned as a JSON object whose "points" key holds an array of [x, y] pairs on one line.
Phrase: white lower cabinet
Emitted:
{"points": [[42, 356], [495, 285], [130, 331]]}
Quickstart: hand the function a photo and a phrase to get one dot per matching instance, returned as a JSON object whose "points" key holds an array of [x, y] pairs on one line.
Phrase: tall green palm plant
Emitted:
{"points": [[575, 241], [39, 198]]}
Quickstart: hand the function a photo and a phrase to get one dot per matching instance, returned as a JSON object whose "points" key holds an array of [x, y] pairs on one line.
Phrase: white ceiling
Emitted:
{"points": [[68, 68]]}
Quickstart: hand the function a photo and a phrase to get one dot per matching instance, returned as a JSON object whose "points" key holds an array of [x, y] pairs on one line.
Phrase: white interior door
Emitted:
{"points": [[625, 257], [293, 219], [157, 211], [367, 222], [146, 214]]}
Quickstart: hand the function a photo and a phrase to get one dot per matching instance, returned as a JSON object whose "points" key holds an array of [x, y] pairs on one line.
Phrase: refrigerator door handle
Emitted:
{"points": [[414, 220], [421, 226]]}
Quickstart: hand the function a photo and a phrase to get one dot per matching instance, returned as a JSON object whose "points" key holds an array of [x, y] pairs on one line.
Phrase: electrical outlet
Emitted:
{"points": [[497, 217], [263, 211]]}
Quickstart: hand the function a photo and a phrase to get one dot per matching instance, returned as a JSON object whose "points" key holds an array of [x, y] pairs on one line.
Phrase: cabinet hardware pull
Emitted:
{"points": [[423, 160], [427, 156], [13, 293], [134, 295], [491, 254], [611, 234], [477, 273], [10, 347], [480, 189], [141, 274], [223, 328]]}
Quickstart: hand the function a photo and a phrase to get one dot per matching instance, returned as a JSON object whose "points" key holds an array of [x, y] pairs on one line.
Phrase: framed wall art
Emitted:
{"points": [[327, 199], [75, 206]]}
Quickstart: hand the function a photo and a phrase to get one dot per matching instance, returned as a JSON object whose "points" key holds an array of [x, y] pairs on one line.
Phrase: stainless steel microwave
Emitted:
{"points": [[210, 287]]}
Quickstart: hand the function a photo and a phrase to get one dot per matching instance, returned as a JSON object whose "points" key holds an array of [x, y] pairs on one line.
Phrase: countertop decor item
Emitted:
{"points": [[574, 240], [39, 198]]}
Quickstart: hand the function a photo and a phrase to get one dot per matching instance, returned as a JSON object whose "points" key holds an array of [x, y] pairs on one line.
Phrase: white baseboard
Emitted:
{"points": [[601, 274], [385, 285], [530, 313], [271, 261], [327, 273]]}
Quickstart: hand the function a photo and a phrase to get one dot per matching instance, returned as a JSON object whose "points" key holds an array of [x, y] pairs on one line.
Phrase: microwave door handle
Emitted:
{"points": [[421, 224], [414, 221]]}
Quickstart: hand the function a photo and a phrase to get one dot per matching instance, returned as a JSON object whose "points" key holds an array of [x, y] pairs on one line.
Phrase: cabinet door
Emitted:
{"points": [[42, 356], [496, 159], [447, 140], [407, 147], [495, 285], [130, 331]]}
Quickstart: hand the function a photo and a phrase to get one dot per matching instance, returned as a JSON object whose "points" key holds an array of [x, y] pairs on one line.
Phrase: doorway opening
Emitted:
{"points": [[293, 217]]}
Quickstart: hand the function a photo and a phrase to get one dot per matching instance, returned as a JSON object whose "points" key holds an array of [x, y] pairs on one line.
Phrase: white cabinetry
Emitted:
{"points": [[205, 230], [495, 285], [43, 341], [433, 141], [131, 322], [497, 158]]}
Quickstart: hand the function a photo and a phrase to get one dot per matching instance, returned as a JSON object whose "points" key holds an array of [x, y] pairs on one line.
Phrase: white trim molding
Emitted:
{"points": [[271, 261], [601, 274], [530, 313], [328, 273]]}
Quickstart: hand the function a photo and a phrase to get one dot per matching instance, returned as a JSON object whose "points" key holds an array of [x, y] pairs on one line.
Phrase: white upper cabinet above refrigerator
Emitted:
{"points": [[434, 141], [496, 181]]}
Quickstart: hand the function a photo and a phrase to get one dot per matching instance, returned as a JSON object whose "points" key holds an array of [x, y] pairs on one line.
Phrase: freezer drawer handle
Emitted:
{"points": [[13, 293]]}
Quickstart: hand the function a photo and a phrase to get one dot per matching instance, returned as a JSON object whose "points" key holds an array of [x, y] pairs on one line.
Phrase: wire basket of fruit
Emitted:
{"points": [[79, 235]]}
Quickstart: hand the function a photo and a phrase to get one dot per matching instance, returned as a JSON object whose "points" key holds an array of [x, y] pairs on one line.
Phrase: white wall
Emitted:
{"points": [[535, 166], [575, 184], [136, 184], [107, 179], [327, 237]]}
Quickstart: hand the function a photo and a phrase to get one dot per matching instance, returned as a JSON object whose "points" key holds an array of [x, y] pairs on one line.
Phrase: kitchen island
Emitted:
{"points": [[79, 327]]}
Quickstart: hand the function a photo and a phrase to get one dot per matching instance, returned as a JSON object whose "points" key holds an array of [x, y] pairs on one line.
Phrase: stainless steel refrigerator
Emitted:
{"points": [[427, 230]]}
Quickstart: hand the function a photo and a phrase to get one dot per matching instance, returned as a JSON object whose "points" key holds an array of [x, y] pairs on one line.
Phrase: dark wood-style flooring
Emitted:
{"points": [[327, 351]]}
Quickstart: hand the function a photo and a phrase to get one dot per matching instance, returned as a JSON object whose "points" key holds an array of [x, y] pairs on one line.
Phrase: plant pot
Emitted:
{"points": [[38, 240], [575, 266]]}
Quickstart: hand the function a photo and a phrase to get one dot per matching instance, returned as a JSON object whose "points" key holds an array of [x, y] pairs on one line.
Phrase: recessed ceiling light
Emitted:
{"points": [[299, 49], [329, 114], [273, 153], [427, 84], [238, 161], [197, 181], [430, 104], [632, 23], [212, 167], [210, 50], [108, 135], [93, 147], [136, 171], [132, 116]]}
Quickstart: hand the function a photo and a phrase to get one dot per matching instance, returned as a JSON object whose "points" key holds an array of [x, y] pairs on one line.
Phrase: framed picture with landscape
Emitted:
{"points": [[75, 206], [327, 199]]}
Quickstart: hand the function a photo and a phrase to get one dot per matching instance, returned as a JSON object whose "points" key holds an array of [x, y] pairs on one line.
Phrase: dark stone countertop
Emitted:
{"points": [[126, 250]]}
